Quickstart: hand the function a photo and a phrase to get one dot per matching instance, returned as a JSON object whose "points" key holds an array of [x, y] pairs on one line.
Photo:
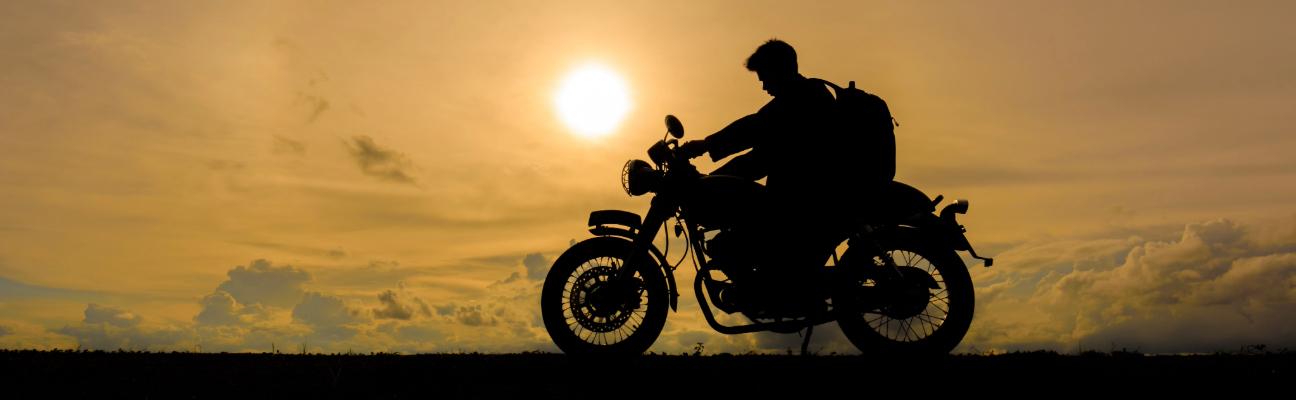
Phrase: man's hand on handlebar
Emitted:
{"points": [[692, 149]]}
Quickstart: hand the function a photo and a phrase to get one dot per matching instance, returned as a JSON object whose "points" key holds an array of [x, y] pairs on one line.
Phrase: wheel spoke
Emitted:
{"points": [[939, 308], [919, 259]]}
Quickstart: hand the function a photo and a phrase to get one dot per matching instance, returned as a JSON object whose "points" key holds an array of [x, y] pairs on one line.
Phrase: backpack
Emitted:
{"points": [[866, 147]]}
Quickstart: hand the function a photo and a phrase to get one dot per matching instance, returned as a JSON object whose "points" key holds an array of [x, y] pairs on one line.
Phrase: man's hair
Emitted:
{"points": [[773, 56]]}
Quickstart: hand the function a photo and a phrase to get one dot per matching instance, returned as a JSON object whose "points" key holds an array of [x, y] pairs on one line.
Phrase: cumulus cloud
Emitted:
{"points": [[537, 266], [261, 282], [107, 337], [318, 309], [445, 309], [514, 277], [97, 314], [378, 162], [1164, 296], [1217, 284], [418, 333], [472, 315], [220, 308], [111, 328], [400, 304]]}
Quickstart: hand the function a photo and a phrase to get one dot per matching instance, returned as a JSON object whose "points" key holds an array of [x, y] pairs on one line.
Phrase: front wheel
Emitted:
{"points": [[926, 313], [587, 313]]}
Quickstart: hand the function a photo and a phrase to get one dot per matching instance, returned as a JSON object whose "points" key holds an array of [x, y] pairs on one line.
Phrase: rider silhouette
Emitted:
{"points": [[794, 142]]}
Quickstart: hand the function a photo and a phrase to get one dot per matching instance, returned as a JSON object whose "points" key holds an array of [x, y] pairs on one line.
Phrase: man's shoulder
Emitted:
{"points": [[815, 89], [808, 92]]}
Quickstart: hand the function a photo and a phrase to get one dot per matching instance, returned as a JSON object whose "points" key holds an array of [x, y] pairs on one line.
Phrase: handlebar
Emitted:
{"points": [[663, 151]]}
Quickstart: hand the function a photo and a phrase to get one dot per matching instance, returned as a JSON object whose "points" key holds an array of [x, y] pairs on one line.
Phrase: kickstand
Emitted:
{"points": [[806, 344]]}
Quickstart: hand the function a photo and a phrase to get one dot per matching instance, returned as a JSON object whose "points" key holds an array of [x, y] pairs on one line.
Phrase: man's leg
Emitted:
{"points": [[792, 247]]}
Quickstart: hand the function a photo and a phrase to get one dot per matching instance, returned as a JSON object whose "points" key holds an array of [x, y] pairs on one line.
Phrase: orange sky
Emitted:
{"points": [[1128, 162]]}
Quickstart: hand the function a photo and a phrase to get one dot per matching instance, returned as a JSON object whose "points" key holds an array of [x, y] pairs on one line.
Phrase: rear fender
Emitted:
{"points": [[945, 230], [605, 223]]}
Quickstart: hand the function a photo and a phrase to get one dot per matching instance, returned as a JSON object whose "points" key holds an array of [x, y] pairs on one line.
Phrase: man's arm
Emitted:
{"points": [[740, 135], [748, 166]]}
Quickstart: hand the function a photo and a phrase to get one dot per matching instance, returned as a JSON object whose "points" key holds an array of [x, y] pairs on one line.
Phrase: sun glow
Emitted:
{"points": [[592, 101]]}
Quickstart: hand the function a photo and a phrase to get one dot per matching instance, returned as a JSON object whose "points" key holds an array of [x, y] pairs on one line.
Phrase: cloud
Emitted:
{"points": [[419, 333], [1217, 284], [317, 309], [399, 304], [111, 328], [447, 309], [264, 283], [375, 161], [107, 337], [283, 145], [1265, 280], [1220, 284], [537, 266], [514, 277], [317, 105], [224, 165], [329, 317], [97, 314], [221, 309], [335, 253], [7, 330], [473, 316], [338, 253]]}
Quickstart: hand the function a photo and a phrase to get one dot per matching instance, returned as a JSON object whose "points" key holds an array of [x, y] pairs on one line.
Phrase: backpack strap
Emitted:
{"points": [[836, 89]]}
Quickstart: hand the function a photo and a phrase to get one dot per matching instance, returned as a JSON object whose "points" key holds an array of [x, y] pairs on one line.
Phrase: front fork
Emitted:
{"points": [[661, 210]]}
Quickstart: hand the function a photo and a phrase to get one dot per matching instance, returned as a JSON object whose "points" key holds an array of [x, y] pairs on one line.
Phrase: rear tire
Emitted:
{"points": [[577, 325], [936, 328]]}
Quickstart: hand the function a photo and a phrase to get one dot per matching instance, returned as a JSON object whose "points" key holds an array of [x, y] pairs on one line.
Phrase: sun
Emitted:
{"points": [[592, 101]]}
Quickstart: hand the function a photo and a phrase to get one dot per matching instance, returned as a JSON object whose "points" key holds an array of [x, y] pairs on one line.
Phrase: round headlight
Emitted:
{"points": [[639, 177]]}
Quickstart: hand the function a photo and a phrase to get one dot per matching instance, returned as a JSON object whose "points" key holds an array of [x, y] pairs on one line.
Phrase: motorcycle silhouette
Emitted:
{"points": [[898, 288]]}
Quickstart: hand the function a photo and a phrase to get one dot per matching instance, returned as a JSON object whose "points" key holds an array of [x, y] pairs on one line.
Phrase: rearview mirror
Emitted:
{"points": [[674, 127]]}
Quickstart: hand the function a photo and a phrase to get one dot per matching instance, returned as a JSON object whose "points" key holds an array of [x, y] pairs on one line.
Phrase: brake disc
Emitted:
{"points": [[596, 310]]}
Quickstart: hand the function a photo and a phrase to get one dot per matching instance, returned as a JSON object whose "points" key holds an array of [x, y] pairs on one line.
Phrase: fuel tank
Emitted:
{"points": [[721, 201]]}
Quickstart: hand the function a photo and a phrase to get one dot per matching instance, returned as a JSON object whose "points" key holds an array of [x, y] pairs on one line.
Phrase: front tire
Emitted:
{"points": [[935, 327], [579, 323]]}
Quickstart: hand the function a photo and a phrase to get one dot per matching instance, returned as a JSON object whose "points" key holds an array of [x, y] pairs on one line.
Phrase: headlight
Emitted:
{"points": [[639, 177]]}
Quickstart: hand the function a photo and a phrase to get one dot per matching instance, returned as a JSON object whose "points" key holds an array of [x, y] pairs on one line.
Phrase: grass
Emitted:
{"points": [[459, 374]]}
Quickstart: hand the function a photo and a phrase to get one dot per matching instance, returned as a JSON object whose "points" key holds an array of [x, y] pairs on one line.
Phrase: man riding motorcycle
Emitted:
{"points": [[814, 175]]}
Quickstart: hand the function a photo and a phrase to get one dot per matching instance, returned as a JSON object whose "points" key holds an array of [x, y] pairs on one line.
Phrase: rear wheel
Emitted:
{"points": [[928, 312], [587, 313]]}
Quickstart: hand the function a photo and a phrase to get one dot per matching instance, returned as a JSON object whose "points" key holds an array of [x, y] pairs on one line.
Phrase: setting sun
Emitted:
{"points": [[592, 101]]}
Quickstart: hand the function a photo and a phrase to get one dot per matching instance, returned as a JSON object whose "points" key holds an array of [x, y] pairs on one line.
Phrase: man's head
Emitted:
{"points": [[775, 64]]}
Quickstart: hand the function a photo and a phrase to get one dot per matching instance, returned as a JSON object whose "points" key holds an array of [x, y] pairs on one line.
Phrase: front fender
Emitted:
{"points": [[599, 220]]}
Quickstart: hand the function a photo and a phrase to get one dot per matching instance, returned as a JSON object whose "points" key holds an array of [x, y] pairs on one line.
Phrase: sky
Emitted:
{"points": [[394, 176]]}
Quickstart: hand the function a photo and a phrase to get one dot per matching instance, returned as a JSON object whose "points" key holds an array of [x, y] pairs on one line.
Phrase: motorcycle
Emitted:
{"points": [[898, 288]]}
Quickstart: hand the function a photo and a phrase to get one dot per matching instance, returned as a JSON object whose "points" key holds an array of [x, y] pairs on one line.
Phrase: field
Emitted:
{"points": [[33, 374]]}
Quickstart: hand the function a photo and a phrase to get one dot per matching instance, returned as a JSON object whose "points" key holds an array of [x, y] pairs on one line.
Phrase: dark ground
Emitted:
{"points": [[32, 374]]}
